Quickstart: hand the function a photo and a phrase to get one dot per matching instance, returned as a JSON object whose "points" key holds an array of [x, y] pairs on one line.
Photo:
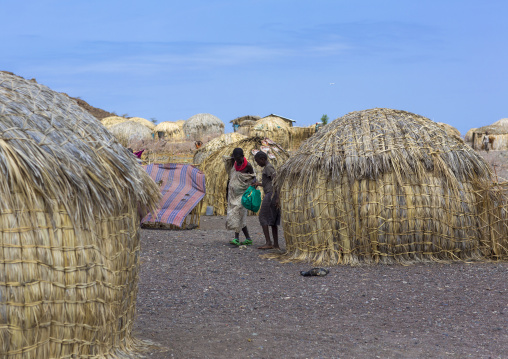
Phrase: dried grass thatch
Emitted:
{"points": [[450, 130], [469, 135], [389, 186], [274, 128], [214, 145], [216, 168], [240, 120], [127, 132], [113, 120], [143, 121], [70, 229], [180, 123], [300, 134], [171, 130], [201, 125], [498, 136]]}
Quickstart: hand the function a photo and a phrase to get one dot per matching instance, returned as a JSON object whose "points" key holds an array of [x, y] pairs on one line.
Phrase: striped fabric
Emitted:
{"points": [[182, 187]]}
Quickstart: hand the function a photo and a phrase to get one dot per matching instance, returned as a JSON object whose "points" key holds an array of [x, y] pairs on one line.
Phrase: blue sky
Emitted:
{"points": [[169, 60]]}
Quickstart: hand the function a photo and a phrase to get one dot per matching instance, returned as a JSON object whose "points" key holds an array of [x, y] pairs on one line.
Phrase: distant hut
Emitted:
{"points": [[170, 130], [245, 127], [70, 229], [300, 134], [237, 122], [452, 131], [214, 145], [113, 120], [289, 122], [468, 138], [498, 135], [273, 128], [180, 123], [201, 125], [143, 121], [130, 131], [389, 186], [216, 168]]}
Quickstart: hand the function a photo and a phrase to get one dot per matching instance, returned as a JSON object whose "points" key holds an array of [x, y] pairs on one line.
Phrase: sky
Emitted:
{"points": [[169, 60]]}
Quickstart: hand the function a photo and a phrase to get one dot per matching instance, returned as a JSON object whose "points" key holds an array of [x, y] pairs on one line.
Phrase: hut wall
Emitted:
{"points": [[497, 142], [384, 221], [300, 134]]}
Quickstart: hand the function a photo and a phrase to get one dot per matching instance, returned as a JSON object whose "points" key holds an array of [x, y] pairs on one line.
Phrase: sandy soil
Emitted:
{"points": [[200, 298]]}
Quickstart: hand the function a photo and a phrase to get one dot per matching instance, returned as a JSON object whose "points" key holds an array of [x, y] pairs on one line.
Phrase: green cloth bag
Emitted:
{"points": [[251, 199]]}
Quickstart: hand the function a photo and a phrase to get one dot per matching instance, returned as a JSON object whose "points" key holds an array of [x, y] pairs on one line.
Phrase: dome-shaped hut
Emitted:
{"points": [[387, 186], [215, 144], [216, 167], [468, 137], [452, 131], [143, 121], [130, 131], [274, 128], [70, 229], [497, 132], [113, 120], [203, 125], [171, 130]]}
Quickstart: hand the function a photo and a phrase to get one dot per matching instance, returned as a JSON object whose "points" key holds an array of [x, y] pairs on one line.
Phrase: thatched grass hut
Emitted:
{"points": [[130, 131], [70, 195], [143, 121], [180, 123], [237, 122], [216, 168], [389, 186], [113, 120], [498, 135], [171, 130], [201, 125], [214, 145], [300, 134], [468, 137], [452, 131], [273, 128], [245, 127]]}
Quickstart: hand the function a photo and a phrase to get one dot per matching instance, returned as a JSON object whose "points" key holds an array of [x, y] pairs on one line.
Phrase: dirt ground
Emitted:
{"points": [[201, 298]]}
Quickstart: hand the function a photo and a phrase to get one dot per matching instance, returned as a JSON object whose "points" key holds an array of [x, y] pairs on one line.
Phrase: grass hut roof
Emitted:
{"points": [[143, 121], [130, 131], [497, 128], [171, 130], [70, 228], [273, 128], [216, 144], [286, 120], [469, 135], [452, 131], [216, 167], [202, 124], [387, 186], [498, 135], [113, 120], [242, 119], [180, 123]]}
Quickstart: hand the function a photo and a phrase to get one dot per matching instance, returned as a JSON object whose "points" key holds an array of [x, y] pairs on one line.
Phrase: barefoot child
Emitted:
{"points": [[269, 214], [241, 177]]}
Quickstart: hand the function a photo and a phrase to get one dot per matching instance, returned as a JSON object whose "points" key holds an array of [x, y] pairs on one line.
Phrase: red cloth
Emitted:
{"points": [[139, 153], [242, 167]]}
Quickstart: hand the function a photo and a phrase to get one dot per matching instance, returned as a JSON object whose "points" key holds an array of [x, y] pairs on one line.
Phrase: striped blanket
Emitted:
{"points": [[182, 187]]}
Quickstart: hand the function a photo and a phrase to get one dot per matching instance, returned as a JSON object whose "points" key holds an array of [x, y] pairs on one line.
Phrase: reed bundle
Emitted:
{"points": [[130, 131], [69, 227], [172, 131], [274, 128], [113, 120], [216, 168], [143, 121], [214, 145], [201, 125], [389, 186]]}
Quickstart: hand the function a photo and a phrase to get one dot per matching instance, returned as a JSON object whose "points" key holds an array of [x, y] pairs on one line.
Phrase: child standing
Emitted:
{"points": [[269, 214]]}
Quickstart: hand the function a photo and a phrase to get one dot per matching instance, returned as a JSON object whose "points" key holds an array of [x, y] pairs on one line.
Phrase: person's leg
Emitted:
{"points": [[268, 244], [247, 241], [275, 234], [236, 241]]}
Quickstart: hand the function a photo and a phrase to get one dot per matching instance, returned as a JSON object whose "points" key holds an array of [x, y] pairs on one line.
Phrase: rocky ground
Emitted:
{"points": [[200, 298]]}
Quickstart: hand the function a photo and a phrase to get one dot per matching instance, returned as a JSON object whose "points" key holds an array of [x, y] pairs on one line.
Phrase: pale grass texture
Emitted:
{"points": [[216, 168], [143, 121], [498, 136], [130, 131], [450, 130], [172, 131], [69, 229], [388, 186], [113, 120], [214, 145], [273, 128], [201, 125]]}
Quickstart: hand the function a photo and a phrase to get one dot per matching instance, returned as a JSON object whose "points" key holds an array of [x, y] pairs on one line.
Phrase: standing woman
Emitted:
{"points": [[241, 177]]}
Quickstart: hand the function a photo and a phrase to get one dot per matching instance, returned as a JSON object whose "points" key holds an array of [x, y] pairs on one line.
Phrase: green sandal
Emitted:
{"points": [[235, 241], [247, 242]]}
